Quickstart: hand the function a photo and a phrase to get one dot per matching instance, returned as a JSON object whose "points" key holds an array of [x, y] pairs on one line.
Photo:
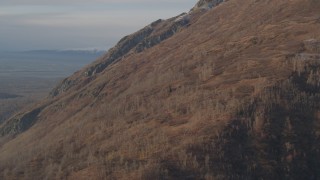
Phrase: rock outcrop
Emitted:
{"points": [[20, 123], [207, 4], [145, 38]]}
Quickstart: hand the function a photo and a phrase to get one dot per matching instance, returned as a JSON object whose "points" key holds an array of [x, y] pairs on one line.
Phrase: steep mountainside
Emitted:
{"points": [[226, 91]]}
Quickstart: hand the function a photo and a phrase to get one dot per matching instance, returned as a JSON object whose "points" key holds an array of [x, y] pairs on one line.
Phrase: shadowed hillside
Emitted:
{"points": [[226, 91]]}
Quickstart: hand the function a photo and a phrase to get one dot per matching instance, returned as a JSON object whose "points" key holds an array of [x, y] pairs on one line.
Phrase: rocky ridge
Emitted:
{"points": [[207, 4], [145, 38], [149, 36]]}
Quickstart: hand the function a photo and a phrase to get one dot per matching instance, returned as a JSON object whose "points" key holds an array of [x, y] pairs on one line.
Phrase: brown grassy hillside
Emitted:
{"points": [[233, 95]]}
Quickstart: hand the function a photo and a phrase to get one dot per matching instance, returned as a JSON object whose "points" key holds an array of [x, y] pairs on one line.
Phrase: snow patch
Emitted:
{"points": [[183, 17]]}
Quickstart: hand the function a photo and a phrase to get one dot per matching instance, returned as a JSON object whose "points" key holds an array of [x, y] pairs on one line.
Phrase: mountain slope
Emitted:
{"points": [[227, 96]]}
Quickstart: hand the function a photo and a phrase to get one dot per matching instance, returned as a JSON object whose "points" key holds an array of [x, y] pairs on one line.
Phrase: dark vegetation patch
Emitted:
{"points": [[273, 137]]}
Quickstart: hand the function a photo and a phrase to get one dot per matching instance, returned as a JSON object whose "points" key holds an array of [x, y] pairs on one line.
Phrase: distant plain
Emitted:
{"points": [[26, 77]]}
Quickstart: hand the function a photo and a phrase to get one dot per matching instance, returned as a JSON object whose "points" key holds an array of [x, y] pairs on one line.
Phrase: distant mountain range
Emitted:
{"points": [[7, 96], [93, 51], [45, 63]]}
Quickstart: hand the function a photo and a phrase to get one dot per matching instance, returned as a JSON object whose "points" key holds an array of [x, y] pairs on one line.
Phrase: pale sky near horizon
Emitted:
{"points": [[78, 24]]}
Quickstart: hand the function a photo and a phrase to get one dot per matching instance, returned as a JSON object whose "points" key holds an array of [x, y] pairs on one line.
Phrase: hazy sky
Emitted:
{"points": [[78, 24]]}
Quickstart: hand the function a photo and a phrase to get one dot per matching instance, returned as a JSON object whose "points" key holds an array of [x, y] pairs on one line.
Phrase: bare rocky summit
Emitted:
{"points": [[205, 4]]}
